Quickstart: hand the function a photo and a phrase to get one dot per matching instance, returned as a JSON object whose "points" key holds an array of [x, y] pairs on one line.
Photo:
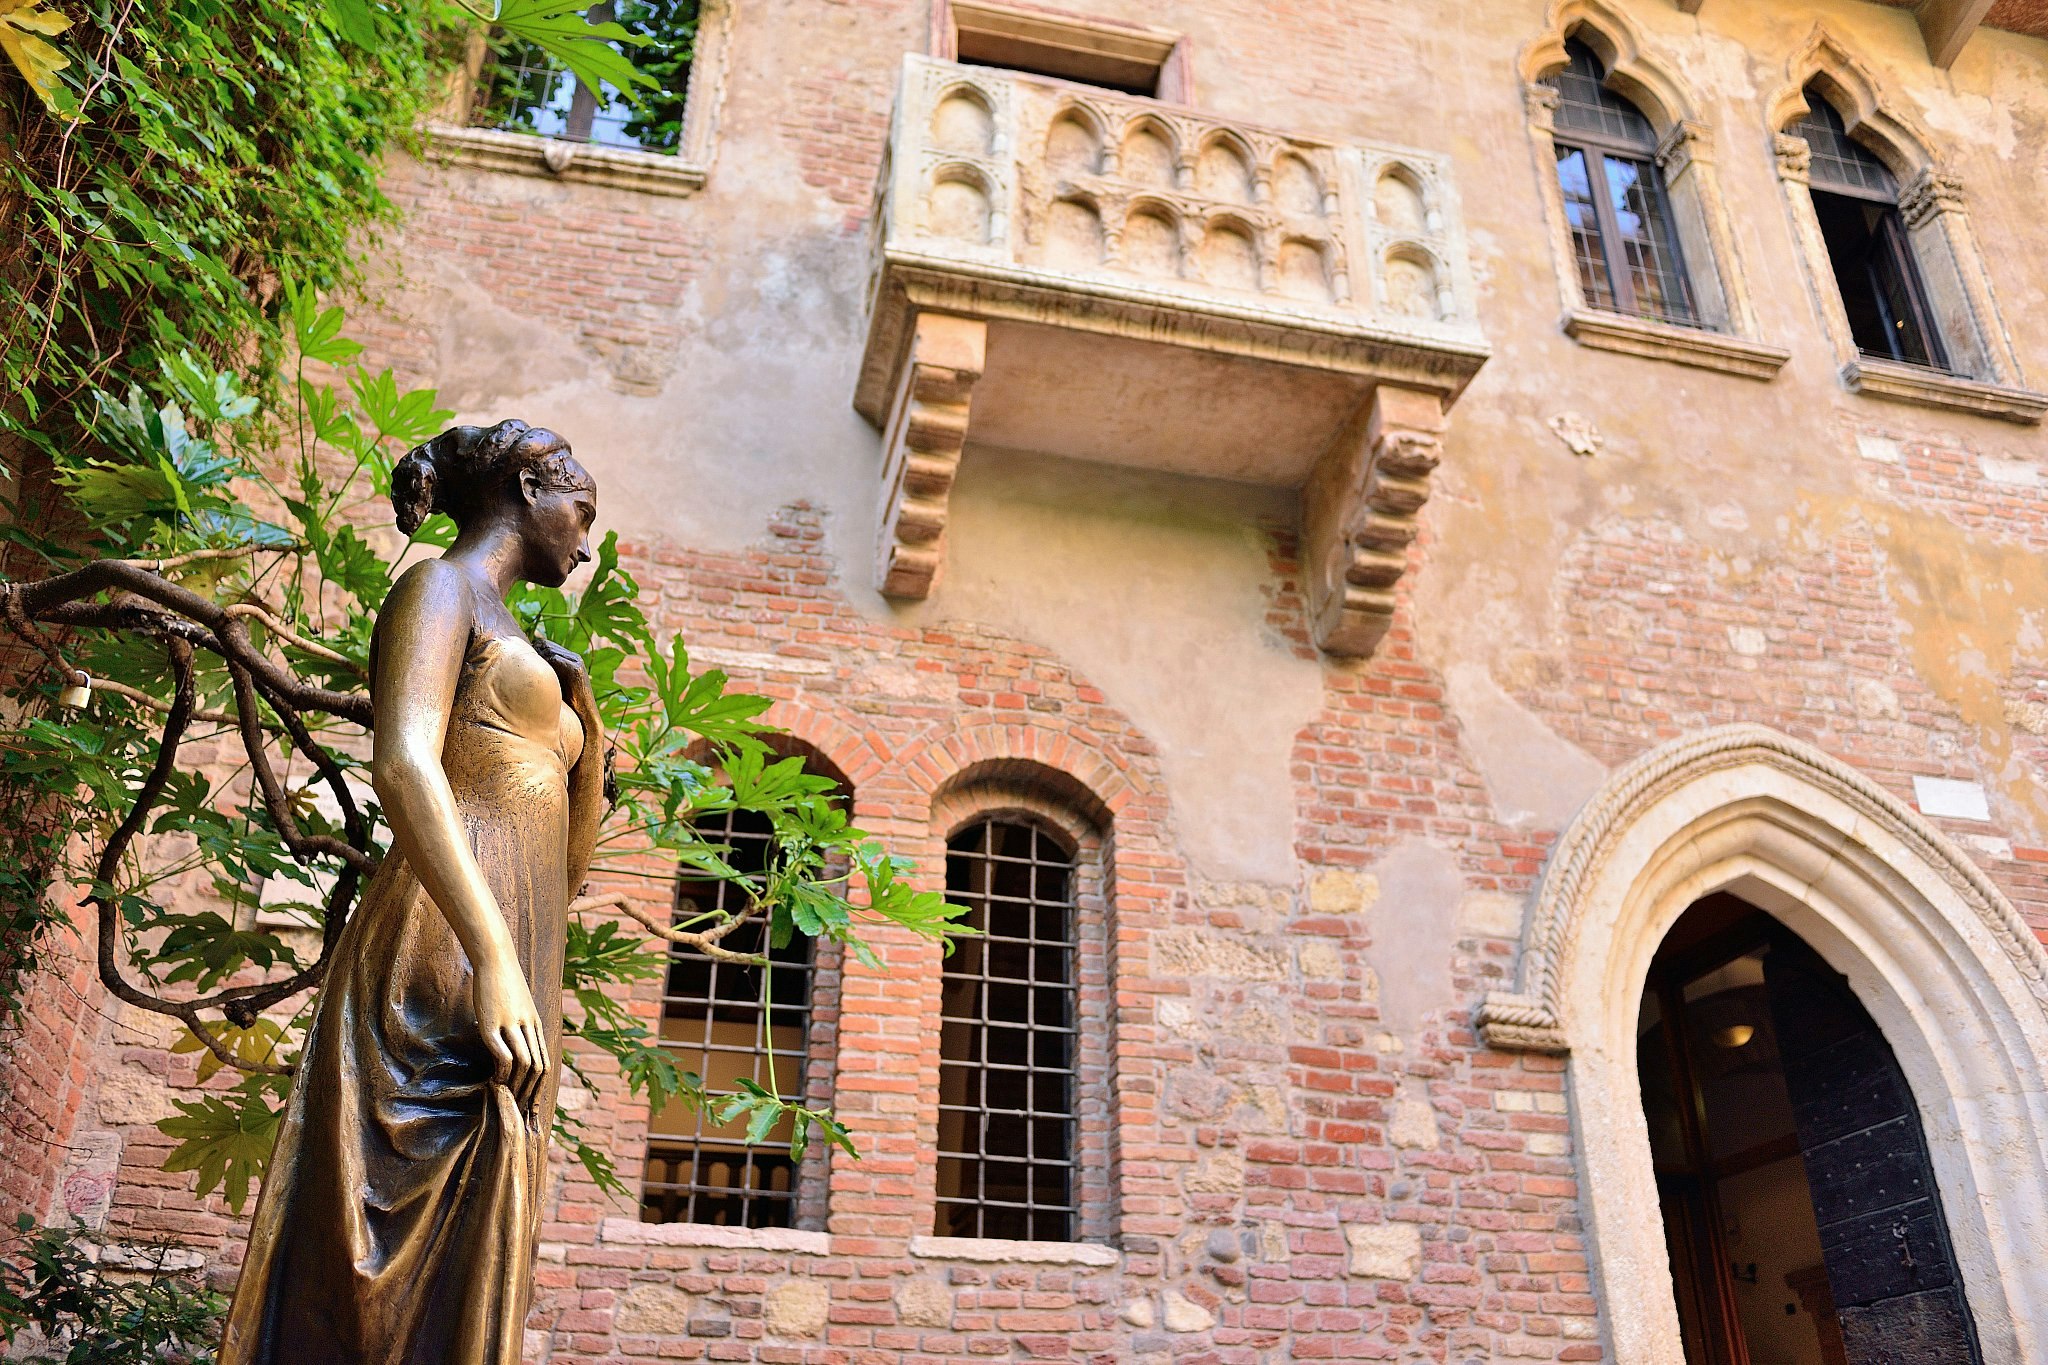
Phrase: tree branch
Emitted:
{"points": [[704, 941]]}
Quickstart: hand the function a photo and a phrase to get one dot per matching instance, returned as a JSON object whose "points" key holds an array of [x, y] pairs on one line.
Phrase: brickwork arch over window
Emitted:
{"points": [[726, 1022], [1896, 272], [1645, 258]]}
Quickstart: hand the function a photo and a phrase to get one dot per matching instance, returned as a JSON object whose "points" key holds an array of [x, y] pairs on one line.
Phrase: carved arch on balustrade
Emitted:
{"points": [[1934, 951], [1684, 154]]}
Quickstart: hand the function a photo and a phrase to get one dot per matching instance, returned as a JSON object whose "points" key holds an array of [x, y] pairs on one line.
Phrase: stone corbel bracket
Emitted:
{"points": [[926, 427], [1359, 515]]}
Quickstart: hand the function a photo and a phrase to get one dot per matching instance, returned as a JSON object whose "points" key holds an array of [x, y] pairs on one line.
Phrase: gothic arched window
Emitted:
{"points": [[1856, 200], [1615, 202]]}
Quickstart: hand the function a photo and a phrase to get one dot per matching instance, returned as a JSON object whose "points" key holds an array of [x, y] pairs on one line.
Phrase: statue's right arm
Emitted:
{"points": [[423, 635]]}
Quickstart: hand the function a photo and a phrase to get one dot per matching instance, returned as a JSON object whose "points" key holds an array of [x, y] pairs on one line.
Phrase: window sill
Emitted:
{"points": [[1933, 389], [553, 159], [997, 1250], [633, 1232], [1667, 341]]}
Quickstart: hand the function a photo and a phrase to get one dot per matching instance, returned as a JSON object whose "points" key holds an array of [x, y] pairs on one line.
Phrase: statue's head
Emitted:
{"points": [[520, 477]]}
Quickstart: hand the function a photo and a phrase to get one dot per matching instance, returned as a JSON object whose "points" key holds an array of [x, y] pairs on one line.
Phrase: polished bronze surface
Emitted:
{"points": [[398, 1221]]}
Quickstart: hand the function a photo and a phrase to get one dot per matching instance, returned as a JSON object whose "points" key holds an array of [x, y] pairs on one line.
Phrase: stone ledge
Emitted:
{"points": [[1934, 389], [632, 1232], [995, 1250], [1682, 345], [554, 159]]}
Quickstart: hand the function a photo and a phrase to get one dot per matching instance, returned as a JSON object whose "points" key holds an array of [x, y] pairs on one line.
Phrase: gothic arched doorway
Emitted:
{"points": [[1800, 1208]]}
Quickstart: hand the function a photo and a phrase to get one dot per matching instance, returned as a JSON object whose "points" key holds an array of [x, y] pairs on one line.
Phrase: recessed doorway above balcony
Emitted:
{"points": [[1068, 270]]}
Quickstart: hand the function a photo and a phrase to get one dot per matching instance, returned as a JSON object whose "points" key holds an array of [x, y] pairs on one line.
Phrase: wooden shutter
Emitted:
{"points": [[1883, 1238]]}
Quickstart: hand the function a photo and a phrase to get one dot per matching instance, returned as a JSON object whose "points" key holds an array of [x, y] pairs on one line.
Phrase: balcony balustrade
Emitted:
{"points": [[1063, 269]]}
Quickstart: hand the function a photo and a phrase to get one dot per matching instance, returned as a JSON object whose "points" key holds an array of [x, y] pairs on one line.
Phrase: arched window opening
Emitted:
{"points": [[715, 1023], [1615, 200], [1799, 1203], [1008, 1164], [1856, 199]]}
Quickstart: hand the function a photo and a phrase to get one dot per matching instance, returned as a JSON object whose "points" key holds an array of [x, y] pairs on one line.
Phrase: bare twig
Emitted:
{"points": [[285, 633], [161, 566], [705, 941]]}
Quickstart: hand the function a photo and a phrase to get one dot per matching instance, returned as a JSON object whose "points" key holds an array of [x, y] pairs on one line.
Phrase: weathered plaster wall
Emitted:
{"points": [[1323, 863]]}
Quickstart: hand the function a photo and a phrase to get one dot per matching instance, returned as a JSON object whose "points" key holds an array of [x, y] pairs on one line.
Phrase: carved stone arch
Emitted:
{"points": [[1081, 114], [1634, 71], [1935, 953], [1858, 97]]}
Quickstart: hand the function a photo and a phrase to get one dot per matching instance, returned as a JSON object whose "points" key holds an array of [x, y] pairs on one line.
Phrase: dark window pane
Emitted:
{"points": [[1876, 279], [1006, 1047]]}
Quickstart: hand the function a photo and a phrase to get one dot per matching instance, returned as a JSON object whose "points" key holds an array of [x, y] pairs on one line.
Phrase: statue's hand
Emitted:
{"points": [[568, 666], [511, 1028]]}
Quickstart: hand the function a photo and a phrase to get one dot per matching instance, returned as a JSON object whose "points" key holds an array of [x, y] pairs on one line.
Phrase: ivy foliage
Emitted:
{"points": [[190, 180]]}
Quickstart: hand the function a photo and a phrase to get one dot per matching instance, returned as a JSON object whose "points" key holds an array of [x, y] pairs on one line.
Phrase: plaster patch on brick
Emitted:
{"points": [[1414, 1125], [1537, 778], [1490, 915], [1748, 641], [1385, 1251], [1877, 449], [2011, 473], [1875, 700]]}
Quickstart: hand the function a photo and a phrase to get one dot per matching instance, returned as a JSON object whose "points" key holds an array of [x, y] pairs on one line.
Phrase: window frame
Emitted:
{"points": [[1982, 375], [1722, 333], [1072, 860], [1621, 283], [451, 140], [808, 1199]]}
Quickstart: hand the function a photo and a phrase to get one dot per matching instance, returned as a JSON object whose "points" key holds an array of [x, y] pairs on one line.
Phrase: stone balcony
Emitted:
{"points": [[1063, 269]]}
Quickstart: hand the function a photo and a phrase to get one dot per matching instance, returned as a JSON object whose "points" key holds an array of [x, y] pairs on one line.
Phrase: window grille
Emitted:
{"points": [[713, 1022], [1840, 163], [1008, 1039], [1615, 204], [1855, 201], [523, 90]]}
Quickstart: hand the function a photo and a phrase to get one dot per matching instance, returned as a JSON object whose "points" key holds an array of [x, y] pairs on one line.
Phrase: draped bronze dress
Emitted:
{"points": [[400, 1216]]}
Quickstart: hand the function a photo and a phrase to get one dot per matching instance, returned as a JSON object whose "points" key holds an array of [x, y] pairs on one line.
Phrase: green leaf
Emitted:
{"points": [[226, 1139], [355, 20]]}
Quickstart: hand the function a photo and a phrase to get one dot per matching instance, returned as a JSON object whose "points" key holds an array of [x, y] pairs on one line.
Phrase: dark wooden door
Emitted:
{"points": [[1890, 1265]]}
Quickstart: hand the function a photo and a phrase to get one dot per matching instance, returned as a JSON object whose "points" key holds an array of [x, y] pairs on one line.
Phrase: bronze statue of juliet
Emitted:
{"points": [[399, 1219]]}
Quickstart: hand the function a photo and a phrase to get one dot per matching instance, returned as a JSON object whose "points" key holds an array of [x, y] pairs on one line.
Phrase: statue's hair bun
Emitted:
{"points": [[448, 472], [416, 480]]}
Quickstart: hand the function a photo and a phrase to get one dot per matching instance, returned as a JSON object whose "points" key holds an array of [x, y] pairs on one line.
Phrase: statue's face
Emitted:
{"points": [[557, 525]]}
